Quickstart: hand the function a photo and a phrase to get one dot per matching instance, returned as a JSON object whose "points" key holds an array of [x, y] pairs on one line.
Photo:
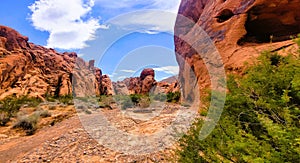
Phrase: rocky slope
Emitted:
{"points": [[240, 30], [144, 84], [29, 69]]}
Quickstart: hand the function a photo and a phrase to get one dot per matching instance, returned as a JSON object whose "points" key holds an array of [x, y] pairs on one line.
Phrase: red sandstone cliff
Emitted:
{"points": [[29, 69], [239, 29]]}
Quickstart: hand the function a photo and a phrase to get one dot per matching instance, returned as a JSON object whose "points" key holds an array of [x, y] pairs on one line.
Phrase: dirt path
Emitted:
{"points": [[68, 141], [19, 146]]}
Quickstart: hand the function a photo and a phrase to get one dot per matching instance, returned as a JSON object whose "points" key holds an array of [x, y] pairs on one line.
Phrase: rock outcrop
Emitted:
{"points": [[240, 30], [144, 84], [106, 86], [136, 85], [33, 70], [165, 87]]}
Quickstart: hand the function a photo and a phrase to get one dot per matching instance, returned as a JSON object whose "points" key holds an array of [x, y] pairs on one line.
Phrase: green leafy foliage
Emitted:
{"points": [[66, 99], [173, 97], [260, 120], [135, 98], [11, 105], [106, 101], [160, 97], [127, 103]]}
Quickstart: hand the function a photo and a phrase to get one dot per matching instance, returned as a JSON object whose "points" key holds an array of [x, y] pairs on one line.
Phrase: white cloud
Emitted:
{"points": [[169, 5], [112, 75], [174, 70], [122, 77], [80, 54], [67, 21], [127, 71], [70, 24], [146, 21], [160, 18]]}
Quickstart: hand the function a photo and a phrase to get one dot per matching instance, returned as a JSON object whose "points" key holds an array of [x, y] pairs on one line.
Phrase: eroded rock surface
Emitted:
{"points": [[29, 69], [240, 31], [145, 84]]}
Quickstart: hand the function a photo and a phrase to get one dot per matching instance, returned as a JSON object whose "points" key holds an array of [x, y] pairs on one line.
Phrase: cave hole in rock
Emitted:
{"points": [[224, 15], [264, 25]]}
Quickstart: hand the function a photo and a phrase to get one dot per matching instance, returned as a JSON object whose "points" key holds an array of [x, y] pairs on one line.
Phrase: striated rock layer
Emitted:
{"points": [[29, 69], [240, 30]]}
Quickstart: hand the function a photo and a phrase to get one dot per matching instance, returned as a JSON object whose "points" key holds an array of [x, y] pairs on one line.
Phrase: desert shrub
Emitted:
{"points": [[66, 99], [126, 103], [129, 101], [160, 97], [173, 97], [140, 100], [4, 118], [83, 99], [203, 112], [27, 123], [11, 105], [144, 102], [43, 113], [106, 101], [260, 121], [50, 98], [135, 98]]}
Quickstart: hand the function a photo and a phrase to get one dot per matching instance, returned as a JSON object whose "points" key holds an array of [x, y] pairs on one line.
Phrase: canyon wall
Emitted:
{"points": [[239, 30], [36, 71]]}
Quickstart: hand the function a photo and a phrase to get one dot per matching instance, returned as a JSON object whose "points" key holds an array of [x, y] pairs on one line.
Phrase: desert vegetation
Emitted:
{"points": [[139, 100], [25, 112], [10, 106], [261, 118]]}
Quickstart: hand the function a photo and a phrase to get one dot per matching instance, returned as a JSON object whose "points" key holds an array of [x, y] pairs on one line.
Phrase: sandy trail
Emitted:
{"points": [[19, 146], [68, 141]]}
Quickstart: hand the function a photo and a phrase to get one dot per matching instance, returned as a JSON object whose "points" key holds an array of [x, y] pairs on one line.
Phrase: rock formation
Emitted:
{"points": [[165, 87], [240, 30], [144, 84], [29, 69], [106, 86]]}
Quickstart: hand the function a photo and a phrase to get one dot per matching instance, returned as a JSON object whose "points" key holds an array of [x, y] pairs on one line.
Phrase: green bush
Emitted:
{"points": [[203, 112], [173, 97], [144, 102], [11, 105], [50, 99], [260, 121], [127, 103], [160, 97], [27, 123], [106, 101], [135, 98], [67, 99]]}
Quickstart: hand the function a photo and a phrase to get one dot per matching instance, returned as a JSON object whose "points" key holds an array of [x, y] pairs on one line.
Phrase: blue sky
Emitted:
{"points": [[123, 36]]}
